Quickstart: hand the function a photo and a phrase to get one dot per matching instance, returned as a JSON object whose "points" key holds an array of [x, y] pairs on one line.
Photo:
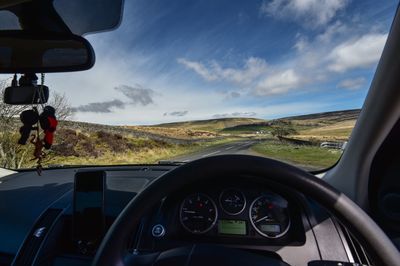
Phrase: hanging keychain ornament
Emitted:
{"points": [[38, 153], [33, 121]]}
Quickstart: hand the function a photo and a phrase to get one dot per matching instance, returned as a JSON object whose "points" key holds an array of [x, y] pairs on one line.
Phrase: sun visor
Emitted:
{"points": [[73, 16], [90, 16]]}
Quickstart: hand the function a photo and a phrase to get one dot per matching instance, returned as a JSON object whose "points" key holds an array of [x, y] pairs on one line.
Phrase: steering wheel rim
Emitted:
{"points": [[113, 249]]}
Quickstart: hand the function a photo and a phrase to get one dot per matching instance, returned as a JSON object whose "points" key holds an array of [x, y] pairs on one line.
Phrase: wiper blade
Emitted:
{"points": [[171, 162], [58, 166]]}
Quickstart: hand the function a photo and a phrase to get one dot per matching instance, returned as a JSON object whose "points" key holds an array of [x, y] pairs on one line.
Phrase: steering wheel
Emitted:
{"points": [[114, 247]]}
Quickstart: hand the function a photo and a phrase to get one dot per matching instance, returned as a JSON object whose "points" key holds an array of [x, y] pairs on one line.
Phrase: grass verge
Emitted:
{"points": [[307, 157]]}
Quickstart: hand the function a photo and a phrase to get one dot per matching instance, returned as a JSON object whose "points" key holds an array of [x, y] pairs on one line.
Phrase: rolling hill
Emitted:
{"points": [[326, 117], [336, 125], [213, 125]]}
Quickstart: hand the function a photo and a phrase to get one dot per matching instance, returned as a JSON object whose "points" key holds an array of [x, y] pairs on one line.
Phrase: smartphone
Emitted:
{"points": [[88, 209]]}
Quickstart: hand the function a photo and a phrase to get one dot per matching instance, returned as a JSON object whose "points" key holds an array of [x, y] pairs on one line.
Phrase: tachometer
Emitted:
{"points": [[269, 215], [198, 213], [232, 201]]}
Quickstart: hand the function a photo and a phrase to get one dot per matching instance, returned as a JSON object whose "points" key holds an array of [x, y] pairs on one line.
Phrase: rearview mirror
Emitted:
{"points": [[23, 52], [24, 95]]}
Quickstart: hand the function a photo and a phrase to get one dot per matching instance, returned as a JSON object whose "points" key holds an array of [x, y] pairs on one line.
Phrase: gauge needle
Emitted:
{"points": [[263, 218]]}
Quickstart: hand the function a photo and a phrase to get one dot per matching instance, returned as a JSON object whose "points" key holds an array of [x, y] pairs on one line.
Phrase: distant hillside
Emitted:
{"points": [[326, 125], [335, 125], [134, 132], [335, 116], [211, 124]]}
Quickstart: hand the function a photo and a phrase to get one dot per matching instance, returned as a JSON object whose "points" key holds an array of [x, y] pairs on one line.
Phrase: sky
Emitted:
{"points": [[183, 60]]}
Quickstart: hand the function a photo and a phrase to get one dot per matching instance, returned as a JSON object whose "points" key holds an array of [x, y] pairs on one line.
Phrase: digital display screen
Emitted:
{"points": [[232, 227], [271, 228]]}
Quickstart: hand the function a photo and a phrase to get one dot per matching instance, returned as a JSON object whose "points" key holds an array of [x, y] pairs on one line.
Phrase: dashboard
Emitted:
{"points": [[269, 220], [234, 213]]}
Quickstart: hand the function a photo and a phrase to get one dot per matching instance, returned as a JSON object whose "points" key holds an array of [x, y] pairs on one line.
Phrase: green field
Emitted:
{"points": [[308, 157]]}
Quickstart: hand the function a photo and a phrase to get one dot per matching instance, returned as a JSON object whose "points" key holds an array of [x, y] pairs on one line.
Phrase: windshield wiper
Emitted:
{"points": [[171, 162]]}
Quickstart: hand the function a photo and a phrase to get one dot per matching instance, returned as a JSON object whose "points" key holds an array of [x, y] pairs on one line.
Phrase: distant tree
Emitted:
{"points": [[62, 106], [12, 155], [282, 131]]}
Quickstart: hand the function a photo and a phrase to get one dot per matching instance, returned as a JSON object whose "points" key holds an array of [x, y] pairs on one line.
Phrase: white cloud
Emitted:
{"points": [[252, 69], [358, 53], [310, 13], [254, 75], [352, 84], [301, 43], [199, 68], [279, 83], [176, 113], [235, 114], [331, 31], [314, 62]]}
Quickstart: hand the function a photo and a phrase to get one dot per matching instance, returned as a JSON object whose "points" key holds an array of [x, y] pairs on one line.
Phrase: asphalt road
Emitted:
{"points": [[239, 147]]}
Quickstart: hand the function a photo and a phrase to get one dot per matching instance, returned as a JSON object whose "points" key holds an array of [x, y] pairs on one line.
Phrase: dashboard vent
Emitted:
{"points": [[6, 259], [358, 252], [30, 248]]}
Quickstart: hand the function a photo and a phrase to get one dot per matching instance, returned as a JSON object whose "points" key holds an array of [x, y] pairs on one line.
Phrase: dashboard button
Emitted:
{"points": [[158, 230]]}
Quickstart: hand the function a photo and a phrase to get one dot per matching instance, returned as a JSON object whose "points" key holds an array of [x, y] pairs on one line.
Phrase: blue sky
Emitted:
{"points": [[184, 60]]}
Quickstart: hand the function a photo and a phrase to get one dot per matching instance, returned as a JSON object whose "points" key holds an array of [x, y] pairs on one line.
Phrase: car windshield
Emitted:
{"points": [[183, 80]]}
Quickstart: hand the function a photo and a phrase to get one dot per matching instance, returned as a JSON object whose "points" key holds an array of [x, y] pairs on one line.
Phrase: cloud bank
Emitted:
{"points": [[135, 96], [177, 113]]}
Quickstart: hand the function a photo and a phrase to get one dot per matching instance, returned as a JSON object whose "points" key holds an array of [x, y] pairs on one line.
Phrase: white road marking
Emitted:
{"points": [[229, 148]]}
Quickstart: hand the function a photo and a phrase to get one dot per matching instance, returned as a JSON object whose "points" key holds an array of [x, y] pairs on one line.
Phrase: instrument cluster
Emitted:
{"points": [[236, 212]]}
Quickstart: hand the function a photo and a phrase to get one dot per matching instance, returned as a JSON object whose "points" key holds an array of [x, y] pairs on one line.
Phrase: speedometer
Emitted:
{"points": [[198, 213], [269, 215]]}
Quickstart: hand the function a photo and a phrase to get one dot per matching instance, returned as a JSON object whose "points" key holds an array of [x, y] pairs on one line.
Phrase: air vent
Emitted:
{"points": [[6, 259], [356, 249], [27, 253]]}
